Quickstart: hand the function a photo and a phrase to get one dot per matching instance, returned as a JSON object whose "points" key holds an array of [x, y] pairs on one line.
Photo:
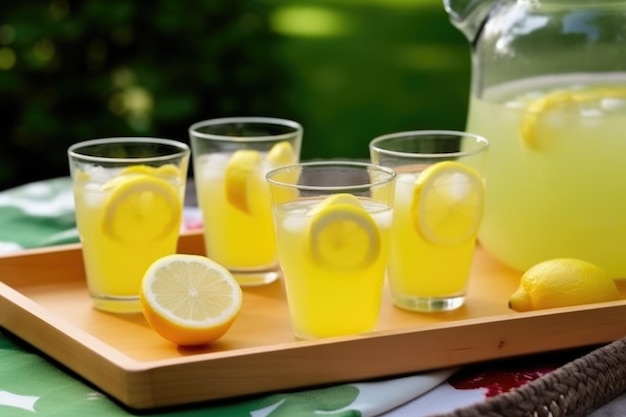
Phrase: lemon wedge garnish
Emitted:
{"points": [[570, 101], [168, 171], [447, 205], [563, 282], [189, 299], [240, 171], [138, 169], [140, 208], [163, 171], [281, 153], [342, 198], [343, 235]]}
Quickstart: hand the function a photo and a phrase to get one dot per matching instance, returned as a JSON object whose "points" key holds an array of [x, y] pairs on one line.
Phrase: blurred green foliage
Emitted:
{"points": [[72, 70], [348, 70], [382, 66]]}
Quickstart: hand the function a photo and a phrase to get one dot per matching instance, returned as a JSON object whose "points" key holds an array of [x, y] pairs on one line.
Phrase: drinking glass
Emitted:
{"points": [[230, 158], [438, 208], [332, 220], [128, 194]]}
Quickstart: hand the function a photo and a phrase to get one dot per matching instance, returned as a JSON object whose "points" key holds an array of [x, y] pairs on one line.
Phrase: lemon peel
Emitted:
{"points": [[447, 204], [562, 282], [343, 235], [239, 172]]}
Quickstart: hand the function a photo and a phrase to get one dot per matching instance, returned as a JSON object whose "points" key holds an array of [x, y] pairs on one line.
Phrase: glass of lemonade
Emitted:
{"points": [[332, 221], [230, 158], [128, 194], [438, 208]]}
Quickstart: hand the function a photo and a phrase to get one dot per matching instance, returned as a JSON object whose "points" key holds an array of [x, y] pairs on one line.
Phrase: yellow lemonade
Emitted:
{"points": [[556, 172], [334, 264], [127, 218], [239, 236]]}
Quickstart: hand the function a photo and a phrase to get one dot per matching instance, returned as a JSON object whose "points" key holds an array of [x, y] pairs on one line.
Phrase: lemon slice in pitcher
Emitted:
{"points": [[342, 234], [239, 176], [140, 208], [572, 101], [447, 203]]}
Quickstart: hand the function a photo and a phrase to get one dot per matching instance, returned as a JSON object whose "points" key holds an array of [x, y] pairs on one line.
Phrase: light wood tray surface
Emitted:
{"points": [[43, 300]]}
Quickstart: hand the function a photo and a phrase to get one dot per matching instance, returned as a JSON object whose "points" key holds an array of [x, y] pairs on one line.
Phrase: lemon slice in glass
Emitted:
{"points": [[447, 203], [281, 153], [189, 299], [342, 234], [342, 198], [163, 171], [140, 208], [139, 170], [239, 175], [572, 101]]}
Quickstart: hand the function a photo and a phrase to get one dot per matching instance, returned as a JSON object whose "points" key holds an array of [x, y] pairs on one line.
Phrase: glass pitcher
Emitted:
{"points": [[548, 90]]}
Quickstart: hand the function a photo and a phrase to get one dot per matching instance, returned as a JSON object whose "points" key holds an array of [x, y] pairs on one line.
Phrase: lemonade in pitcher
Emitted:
{"points": [[556, 170]]}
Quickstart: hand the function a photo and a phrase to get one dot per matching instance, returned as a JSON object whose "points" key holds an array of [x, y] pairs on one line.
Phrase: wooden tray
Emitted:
{"points": [[43, 299]]}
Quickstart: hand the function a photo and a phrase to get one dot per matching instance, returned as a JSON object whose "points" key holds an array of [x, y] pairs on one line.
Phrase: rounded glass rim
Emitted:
{"points": [[334, 163], [179, 149], [481, 141], [193, 129]]}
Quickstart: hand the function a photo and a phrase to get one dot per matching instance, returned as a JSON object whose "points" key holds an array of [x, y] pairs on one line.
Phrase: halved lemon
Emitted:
{"points": [[239, 174], [140, 208], [570, 101], [342, 234], [281, 153], [189, 300], [448, 202]]}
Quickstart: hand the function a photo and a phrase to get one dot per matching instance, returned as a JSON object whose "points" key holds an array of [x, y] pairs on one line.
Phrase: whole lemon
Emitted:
{"points": [[563, 282]]}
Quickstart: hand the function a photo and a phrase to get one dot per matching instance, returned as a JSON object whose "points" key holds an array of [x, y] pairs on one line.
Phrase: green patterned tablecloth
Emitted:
{"points": [[42, 214]]}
